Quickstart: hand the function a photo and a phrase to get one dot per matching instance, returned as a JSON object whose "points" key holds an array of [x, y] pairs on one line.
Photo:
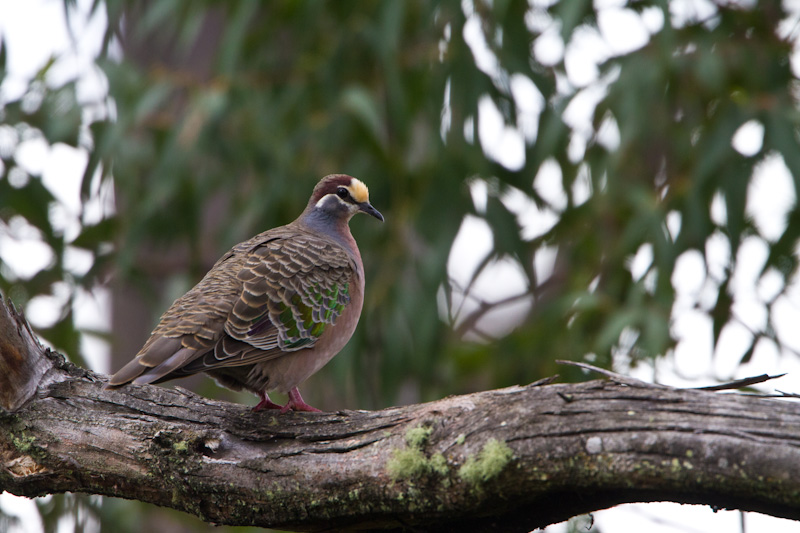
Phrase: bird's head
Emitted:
{"points": [[342, 196]]}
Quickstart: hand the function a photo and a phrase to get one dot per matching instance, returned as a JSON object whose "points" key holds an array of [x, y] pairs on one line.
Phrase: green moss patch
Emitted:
{"points": [[418, 437], [491, 460], [412, 462]]}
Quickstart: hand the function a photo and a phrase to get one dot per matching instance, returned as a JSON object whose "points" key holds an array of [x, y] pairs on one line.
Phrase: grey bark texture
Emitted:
{"points": [[509, 460]]}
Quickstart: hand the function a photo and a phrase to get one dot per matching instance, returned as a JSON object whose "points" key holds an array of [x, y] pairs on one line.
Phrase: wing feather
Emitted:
{"points": [[271, 295]]}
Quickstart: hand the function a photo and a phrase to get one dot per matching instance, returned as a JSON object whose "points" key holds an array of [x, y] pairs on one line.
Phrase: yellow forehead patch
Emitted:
{"points": [[358, 190]]}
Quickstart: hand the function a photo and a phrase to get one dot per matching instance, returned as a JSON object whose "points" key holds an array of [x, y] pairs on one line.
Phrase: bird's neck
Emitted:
{"points": [[335, 227]]}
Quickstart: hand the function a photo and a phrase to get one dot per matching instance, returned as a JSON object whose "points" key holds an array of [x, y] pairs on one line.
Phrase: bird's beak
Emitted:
{"points": [[366, 207]]}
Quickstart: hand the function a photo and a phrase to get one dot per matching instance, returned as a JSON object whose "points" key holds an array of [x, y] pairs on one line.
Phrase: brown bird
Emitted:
{"points": [[273, 310]]}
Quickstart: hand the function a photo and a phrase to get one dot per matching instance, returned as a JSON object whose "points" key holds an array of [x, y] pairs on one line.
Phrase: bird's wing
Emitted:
{"points": [[190, 327], [279, 297], [292, 289]]}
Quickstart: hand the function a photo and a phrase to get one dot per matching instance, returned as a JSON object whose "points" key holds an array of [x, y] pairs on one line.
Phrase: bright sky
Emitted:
{"points": [[35, 30]]}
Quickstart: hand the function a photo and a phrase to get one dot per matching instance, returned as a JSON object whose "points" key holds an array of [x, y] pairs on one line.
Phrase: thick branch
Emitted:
{"points": [[21, 366], [511, 459]]}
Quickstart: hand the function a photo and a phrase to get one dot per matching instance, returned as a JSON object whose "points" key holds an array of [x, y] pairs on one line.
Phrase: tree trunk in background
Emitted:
{"points": [[133, 312]]}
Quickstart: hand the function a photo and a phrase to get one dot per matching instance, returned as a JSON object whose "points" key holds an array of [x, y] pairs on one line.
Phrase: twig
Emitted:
{"points": [[544, 381], [739, 383], [613, 376], [471, 320]]}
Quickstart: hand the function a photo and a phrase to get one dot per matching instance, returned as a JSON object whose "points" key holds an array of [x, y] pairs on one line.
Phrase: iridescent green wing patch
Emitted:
{"points": [[305, 317], [292, 289], [330, 302]]}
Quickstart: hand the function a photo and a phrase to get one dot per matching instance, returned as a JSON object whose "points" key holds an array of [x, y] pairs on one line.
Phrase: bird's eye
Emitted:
{"points": [[342, 193]]}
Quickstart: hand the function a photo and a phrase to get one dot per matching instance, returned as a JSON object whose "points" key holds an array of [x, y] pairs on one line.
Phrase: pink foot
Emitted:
{"points": [[266, 403], [296, 403]]}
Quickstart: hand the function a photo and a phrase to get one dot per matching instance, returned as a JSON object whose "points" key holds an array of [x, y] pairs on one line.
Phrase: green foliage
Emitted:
{"points": [[226, 114], [45, 116], [294, 90]]}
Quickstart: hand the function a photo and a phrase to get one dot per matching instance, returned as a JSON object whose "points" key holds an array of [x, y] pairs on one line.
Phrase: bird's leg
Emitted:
{"points": [[266, 403], [296, 403]]}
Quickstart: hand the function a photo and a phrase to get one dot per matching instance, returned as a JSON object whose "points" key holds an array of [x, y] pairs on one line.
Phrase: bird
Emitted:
{"points": [[273, 310]]}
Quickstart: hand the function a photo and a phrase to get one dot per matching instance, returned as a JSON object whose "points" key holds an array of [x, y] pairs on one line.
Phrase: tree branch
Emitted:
{"points": [[509, 459]]}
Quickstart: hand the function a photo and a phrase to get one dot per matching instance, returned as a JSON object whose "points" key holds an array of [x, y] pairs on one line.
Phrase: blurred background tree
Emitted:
{"points": [[578, 192]]}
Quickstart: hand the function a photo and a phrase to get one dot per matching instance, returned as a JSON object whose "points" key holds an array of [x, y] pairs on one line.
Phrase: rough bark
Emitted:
{"points": [[511, 459]]}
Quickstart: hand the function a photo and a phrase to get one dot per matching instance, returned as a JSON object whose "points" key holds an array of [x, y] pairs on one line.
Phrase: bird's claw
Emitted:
{"points": [[295, 403]]}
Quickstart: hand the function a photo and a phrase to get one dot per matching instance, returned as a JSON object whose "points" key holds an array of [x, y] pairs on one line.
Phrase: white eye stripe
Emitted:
{"points": [[322, 200], [325, 198]]}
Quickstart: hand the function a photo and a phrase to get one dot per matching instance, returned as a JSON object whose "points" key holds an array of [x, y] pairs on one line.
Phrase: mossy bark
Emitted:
{"points": [[511, 459]]}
